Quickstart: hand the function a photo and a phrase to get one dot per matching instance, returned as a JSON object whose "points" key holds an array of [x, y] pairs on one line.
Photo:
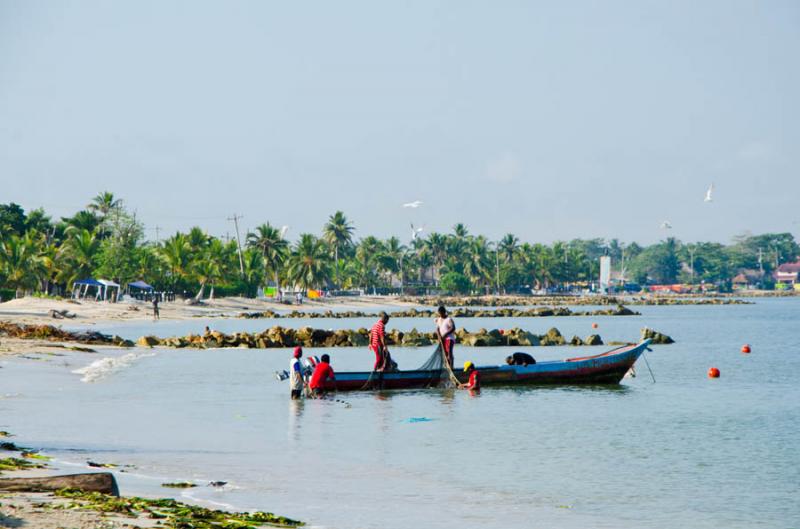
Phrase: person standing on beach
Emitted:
{"points": [[322, 373], [446, 330], [156, 315], [377, 342], [296, 380]]}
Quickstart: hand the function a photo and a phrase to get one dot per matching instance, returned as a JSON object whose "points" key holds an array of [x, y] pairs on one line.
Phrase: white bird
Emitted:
{"points": [[415, 204], [666, 225], [416, 231], [708, 193], [284, 229]]}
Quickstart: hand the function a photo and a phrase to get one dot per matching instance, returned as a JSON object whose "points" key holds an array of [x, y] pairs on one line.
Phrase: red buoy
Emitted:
{"points": [[713, 372], [594, 326], [746, 348], [501, 331]]}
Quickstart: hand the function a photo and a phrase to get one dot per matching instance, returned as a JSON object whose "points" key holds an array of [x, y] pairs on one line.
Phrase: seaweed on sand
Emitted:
{"points": [[176, 515], [15, 463]]}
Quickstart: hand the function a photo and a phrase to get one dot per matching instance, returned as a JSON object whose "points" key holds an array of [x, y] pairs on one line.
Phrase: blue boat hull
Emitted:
{"points": [[605, 368]]}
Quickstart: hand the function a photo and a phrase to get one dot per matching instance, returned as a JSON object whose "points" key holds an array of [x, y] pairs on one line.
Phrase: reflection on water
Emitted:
{"points": [[675, 453]]}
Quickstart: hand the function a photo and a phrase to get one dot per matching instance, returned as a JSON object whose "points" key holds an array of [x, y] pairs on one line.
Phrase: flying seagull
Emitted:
{"points": [[708, 193], [415, 232], [666, 225], [414, 205]]}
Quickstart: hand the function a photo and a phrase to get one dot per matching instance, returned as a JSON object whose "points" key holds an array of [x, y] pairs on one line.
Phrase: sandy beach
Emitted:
{"points": [[33, 310]]}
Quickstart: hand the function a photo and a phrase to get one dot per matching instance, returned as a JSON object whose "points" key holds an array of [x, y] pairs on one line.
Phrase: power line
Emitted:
{"points": [[235, 220]]}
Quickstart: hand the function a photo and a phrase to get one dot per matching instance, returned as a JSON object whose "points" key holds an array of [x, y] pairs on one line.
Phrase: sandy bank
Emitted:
{"points": [[32, 310]]}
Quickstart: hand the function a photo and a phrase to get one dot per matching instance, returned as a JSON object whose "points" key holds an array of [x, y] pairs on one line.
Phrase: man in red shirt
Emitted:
{"points": [[377, 342], [474, 382], [322, 373]]}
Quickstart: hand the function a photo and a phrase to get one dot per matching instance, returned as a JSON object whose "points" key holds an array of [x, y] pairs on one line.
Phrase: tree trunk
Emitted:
{"points": [[336, 256], [103, 482], [199, 295], [211, 296]]}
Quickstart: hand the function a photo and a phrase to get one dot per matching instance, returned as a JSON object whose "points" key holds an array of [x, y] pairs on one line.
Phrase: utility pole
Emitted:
{"points": [[497, 270], [235, 220], [158, 230], [691, 261]]}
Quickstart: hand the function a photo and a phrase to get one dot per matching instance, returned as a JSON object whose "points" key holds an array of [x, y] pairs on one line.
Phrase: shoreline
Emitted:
{"points": [[73, 509], [35, 310]]}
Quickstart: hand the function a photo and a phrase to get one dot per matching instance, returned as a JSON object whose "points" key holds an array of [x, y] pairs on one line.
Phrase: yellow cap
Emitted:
{"points": [[467, 365]]}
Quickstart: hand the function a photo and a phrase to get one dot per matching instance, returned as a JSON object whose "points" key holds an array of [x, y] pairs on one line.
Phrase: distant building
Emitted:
{"points": [[747, 280], [787, 273]]}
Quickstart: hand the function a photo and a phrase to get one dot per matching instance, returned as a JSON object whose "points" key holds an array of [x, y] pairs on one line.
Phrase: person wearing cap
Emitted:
{"points": [[296, 380], [474, 382], [377, 342], [446, 331], [322, 373]]}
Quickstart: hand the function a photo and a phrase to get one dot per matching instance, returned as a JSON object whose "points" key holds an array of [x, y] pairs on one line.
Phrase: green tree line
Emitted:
{"points": [[105, 240]]}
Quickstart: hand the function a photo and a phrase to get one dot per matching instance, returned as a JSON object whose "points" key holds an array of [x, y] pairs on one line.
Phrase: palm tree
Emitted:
{"points": [[367, 253], [82, 220], [338, 233], [78, 253], [273, 247], [177, 255], [508, 247], [478, 264], [308, 264], [391, 257], [20, 263], [436, 245], [104, 203], [208, 269]]}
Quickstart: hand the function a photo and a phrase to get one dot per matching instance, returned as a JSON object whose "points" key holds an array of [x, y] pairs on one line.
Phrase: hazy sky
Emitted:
{"points": [[552, 120]]}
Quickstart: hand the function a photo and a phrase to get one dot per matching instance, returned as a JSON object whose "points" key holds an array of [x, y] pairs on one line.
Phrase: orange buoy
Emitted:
{"points": [[713, 372], [594, 326], [746, 348]]}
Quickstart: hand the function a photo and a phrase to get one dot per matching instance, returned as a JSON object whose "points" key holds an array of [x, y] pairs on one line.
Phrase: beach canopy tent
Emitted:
{"points": [[81, 287], [107, 284], [141, 285]]}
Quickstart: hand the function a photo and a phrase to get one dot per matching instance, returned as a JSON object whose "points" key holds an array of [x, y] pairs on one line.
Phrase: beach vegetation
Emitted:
{"points": [[171, 513], [105, 240]]}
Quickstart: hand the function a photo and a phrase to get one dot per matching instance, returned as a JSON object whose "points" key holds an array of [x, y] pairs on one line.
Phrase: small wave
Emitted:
{"points": [[192, 496], [106, 366]]}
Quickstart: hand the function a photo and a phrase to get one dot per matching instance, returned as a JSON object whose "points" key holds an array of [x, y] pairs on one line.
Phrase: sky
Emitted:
{"points": [[549, 120]]}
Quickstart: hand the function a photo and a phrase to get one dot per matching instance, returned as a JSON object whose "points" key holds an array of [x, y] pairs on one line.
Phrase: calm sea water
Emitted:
{"points": [[684, 451]]}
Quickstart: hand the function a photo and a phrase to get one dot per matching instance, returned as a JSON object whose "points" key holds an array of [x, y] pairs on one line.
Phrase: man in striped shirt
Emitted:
{"points": [[377, 342]]}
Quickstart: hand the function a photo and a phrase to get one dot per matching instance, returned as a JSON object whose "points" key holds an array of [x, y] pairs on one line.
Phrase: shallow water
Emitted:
{"points": [[686, 451]]}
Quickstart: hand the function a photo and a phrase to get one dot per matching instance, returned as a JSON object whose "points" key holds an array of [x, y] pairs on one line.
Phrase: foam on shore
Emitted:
{"points": [[109, 365]]}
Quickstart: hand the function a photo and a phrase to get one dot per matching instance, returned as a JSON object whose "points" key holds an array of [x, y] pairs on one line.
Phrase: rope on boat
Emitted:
{"points": [[648, 365]]}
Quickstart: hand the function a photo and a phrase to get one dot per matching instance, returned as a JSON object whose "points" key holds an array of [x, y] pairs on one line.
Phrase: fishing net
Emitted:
{"points": [[441, 373], [437, 362]]}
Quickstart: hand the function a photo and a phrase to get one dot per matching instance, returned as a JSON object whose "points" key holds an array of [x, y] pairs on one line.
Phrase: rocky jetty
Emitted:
{"points": [[655, 337], [280, 337], [57, 334], [459, 312]]}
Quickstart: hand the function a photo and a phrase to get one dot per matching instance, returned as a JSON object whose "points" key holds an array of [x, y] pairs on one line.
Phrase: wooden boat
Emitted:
{"points": [[605, 368]]}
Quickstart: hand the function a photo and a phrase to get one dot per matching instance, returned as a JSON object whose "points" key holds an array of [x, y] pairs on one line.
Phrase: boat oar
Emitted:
{"points": [[648, 365]]}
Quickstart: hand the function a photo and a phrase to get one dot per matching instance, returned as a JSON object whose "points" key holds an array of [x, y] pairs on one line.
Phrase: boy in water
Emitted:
{"points": [[296, 381], [322, 373], [474, 382]]}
